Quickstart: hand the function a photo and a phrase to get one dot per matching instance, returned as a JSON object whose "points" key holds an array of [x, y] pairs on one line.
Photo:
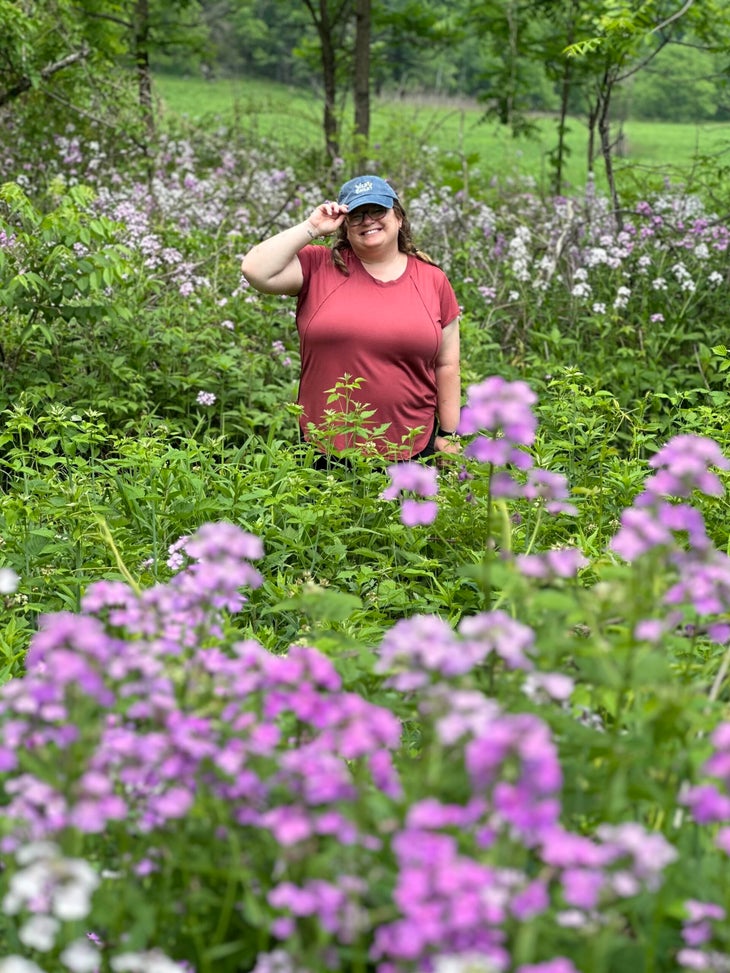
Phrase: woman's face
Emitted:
{"points": [[372, 229]]}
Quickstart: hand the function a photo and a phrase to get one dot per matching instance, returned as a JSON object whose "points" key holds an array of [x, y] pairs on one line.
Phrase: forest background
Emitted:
{"points": [[556, 795]]}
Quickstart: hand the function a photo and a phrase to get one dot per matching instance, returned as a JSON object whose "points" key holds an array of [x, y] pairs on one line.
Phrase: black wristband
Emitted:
{"points": [[444, 433]]}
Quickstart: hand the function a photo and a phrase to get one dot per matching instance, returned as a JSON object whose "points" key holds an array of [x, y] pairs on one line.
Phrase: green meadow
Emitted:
{"points": [[646, 151]]}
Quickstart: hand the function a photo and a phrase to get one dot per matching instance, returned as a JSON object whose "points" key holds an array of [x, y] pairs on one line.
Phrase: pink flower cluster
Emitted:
{"points": [[422, 482], [698, 932], [143, 713], [662, 522], [500, 413], [707, 802]]}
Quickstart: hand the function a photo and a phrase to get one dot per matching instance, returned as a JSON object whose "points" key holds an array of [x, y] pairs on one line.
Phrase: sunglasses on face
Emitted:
{"points": [[372, 212]]}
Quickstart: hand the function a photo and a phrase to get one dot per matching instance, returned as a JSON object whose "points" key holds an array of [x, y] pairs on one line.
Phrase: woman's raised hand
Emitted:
{"points": [[327, 217]]}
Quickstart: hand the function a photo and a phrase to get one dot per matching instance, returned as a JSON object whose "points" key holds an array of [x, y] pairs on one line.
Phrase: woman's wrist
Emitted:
{"points": [[445, 433], [311, 230]]}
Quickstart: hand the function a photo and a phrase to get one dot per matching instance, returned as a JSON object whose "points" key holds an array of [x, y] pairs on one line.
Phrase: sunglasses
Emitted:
{"points": [[372, 212]]}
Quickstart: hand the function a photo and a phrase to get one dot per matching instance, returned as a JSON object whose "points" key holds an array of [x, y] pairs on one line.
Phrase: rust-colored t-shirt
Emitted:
{"points": [[386, 333]]}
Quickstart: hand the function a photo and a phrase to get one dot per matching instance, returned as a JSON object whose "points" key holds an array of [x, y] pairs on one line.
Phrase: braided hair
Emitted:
{"points": [[405, 243]]}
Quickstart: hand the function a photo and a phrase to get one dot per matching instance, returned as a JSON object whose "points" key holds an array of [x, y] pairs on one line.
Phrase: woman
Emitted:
{"points": [[373, 308]]}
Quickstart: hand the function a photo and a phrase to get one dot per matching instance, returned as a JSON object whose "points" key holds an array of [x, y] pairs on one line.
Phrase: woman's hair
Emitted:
{"points": [[405, 243]]}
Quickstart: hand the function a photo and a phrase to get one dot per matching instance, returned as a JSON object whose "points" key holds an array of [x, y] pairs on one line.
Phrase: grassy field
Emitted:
{"points": [[293, 117]]}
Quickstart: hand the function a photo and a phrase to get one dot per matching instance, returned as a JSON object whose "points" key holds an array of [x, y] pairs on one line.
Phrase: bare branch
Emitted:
{"points": [[670, 20], [93, 15], [26, 83], [642, 64]]}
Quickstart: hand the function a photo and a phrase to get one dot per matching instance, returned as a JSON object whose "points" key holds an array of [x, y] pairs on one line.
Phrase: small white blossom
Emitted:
{"points": [[582, 290], [81, 957], [596, 256], [467, 963], [39, 932], [16, 964], [150, 962], [71, 901], [8, 581], [659, 284]]}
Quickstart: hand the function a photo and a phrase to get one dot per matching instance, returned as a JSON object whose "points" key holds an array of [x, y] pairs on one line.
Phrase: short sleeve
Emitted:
{"points": [[449, 304], [311, 258]]}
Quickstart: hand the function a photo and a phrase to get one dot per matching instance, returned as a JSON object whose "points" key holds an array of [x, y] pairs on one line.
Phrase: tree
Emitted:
{"points": [[681, 85], [39, 43], [626, 39], [149, 26], [361, 72], [331, 19], [81, 59]]}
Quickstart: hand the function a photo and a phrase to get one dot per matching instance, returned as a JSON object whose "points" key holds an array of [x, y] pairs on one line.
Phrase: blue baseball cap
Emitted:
{"points": [[367, 189]]}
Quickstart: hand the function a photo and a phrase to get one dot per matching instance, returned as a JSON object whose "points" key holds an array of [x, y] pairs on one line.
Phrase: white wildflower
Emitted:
{"points": [[466, 963], [8, 581], [39, 932], [151, 962], [81, 957], [596, 256], [16, 964], [70, 901], [622, 297], [582, 290]]}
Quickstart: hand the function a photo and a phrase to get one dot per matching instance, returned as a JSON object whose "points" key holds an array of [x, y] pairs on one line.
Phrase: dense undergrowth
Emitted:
{"points": [[482, 743]]}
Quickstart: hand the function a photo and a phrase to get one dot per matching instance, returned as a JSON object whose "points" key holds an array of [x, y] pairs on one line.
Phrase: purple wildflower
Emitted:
{"points": [[683, 465], [498, 406], [551, 489], [558, 563], [414, 478]]}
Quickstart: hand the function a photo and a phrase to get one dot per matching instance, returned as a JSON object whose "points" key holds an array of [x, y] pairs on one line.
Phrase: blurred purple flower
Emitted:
{"points": [[414, 478]]}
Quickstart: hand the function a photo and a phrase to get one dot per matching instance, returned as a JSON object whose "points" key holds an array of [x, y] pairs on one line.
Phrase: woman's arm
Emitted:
{"points": [[448, 386], [273, 266]]}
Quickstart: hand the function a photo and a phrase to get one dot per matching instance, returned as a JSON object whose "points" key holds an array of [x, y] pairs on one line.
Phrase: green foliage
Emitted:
{"points": [[113, 327]]}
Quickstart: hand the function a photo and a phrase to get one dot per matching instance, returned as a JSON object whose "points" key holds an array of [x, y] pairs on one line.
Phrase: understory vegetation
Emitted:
{"points": [[261, 716]]}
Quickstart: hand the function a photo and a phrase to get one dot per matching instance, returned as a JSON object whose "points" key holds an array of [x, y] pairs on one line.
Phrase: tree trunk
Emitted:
{"points": [[329, 80], [142, 64], [362, 78], [566, 82], [604, 131], [562, 149]]}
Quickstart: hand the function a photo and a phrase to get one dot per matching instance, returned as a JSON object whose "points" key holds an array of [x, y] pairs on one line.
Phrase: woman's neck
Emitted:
{"points": [[385, 267]]}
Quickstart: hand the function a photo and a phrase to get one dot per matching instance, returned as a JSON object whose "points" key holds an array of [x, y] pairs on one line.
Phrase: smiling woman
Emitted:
{"points": [[374, 307]]}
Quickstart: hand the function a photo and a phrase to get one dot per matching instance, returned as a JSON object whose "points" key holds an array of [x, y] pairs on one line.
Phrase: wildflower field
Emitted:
{"points": [[256, 716]]}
